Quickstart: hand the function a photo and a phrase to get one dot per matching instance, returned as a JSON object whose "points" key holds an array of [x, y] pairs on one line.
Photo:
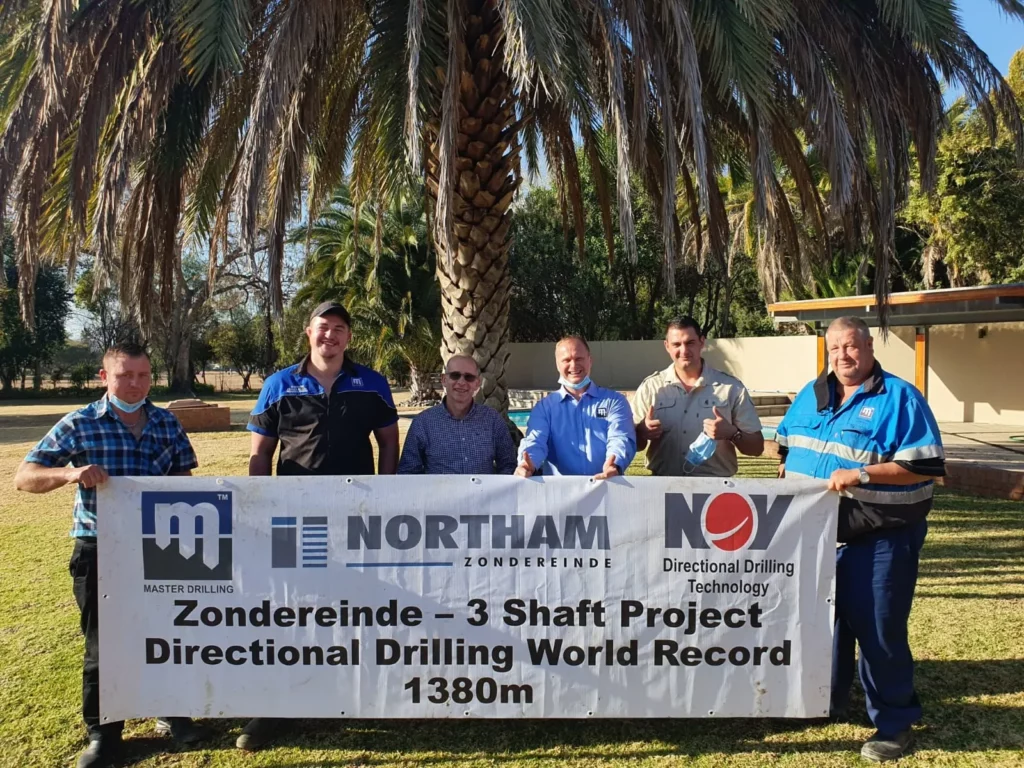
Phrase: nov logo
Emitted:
{"points": [[186, 536], [727, 521]]}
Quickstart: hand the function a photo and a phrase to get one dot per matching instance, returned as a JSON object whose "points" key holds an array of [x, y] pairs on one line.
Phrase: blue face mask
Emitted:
{"points": [[574, 387], [122, 405]]}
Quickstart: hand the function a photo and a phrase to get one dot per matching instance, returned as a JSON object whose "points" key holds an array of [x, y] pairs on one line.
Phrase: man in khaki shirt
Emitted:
{"points": [[672, 407]]}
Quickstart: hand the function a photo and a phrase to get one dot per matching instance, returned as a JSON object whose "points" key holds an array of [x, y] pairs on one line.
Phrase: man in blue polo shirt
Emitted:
{"points": [[321, 412], [581, 428], [122, 434], [875, 440]]}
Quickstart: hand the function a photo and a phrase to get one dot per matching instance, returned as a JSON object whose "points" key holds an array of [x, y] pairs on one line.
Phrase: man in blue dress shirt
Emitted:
{"points": [[459, 436], [580, 429]]}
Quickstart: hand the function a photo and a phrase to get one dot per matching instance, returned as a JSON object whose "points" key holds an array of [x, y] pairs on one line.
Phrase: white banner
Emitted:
{"points": [[454, 596]]}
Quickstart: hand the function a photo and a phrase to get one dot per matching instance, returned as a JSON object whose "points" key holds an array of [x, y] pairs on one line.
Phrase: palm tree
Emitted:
{"points": [[127, 126], [389, 288]]}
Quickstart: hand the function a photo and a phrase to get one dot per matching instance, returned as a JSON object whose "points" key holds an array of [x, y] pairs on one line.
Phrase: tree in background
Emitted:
{"points": [[24, 352], [124, 123], [972, 228], [381, 267], [107, 323], [238, 343], [557, 291]]}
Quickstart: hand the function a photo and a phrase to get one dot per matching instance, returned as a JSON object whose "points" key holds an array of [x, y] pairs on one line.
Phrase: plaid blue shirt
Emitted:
{"points": [[439, 444], [95, 435]]}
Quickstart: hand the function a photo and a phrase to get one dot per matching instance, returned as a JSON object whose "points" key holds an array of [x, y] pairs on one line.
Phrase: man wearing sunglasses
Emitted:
{"points": [[580, 429], [459, 436]]}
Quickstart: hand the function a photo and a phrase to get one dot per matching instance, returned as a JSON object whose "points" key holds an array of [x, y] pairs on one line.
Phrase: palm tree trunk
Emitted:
{"points": [[474, 277], [420, 388]]}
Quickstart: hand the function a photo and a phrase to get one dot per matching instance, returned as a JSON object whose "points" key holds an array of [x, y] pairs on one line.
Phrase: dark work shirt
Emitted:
{"points": [[324, 433]]}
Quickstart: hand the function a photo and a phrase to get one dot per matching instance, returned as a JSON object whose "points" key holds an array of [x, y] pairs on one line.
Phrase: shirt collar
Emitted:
{"points": [[444, 407], [347, 367], [826, 383], [707, 374], [589, 392]]}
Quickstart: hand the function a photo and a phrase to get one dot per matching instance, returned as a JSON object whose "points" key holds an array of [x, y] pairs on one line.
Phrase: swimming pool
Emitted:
{"points": [[519, 417]]}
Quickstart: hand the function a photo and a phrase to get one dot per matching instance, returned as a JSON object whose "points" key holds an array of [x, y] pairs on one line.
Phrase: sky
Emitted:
{"points": [[997, 34]]}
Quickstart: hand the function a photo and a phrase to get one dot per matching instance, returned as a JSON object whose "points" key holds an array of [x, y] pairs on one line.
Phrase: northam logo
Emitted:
{"points": [[727, 521], [186, 536]]}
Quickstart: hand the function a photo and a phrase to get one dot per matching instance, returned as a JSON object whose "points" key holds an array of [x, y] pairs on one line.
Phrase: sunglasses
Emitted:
{"points": [[456, 375]]}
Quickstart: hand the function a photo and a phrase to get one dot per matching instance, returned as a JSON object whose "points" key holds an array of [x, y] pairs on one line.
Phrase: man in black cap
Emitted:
{"points": [[322, 412]]}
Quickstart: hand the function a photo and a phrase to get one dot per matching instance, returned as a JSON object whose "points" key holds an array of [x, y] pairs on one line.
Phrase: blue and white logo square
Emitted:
{"points": [[186, 536], [284, 542]]}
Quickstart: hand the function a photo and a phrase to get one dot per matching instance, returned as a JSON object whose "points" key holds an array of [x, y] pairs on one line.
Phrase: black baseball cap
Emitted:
{"points": [[331, 308]]}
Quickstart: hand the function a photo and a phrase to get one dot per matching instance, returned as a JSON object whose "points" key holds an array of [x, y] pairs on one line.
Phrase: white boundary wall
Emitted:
{"points": [[970, 379]]}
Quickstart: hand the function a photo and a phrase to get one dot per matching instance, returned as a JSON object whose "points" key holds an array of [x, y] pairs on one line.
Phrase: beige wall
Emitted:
{"points": [[783, 363], [969, 379], [972, 379]]}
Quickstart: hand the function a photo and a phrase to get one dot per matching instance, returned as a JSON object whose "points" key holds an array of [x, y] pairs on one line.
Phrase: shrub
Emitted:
{"points": [[81, 375]]}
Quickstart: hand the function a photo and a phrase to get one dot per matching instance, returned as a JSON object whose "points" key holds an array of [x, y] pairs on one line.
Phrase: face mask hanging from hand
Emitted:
{"points": [[126, 407], [700, 450]]}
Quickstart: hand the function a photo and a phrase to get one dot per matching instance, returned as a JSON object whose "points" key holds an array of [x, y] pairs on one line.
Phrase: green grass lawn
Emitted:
{"points": [[967, 632]]}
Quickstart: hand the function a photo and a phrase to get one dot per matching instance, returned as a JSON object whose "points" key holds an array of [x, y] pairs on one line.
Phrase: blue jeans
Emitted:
{"points": [[875, 580]]}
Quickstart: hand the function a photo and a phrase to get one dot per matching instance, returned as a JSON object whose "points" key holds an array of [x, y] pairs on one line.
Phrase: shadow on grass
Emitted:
{"points": [[952, 723], [497, 741], [970, 539], [26, 427]]}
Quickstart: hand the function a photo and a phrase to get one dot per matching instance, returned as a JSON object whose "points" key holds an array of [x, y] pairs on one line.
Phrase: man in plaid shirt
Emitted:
{"points": [[123, 434]]}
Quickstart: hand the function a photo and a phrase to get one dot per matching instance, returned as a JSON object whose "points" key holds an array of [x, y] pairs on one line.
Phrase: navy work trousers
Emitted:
{"points": [[875, 579]]}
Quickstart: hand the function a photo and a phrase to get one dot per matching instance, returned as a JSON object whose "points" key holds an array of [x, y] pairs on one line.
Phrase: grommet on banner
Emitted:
{"points": [[711, 712], [590, 714], [475, 480], [220, 481], [348, 480]]}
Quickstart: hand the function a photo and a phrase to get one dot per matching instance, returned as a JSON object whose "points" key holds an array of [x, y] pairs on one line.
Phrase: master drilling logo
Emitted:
{"points": [[186, 536]]}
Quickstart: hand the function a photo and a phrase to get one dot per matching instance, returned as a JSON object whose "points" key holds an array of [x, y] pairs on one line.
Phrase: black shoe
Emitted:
{"points": [[100, 753], [257, 733], [882, 749], [181, 729]]}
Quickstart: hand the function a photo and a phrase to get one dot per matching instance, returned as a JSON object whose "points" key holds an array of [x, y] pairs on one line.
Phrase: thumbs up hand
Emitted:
{"points": [[526, 467], [718, 428], [652, 426]]}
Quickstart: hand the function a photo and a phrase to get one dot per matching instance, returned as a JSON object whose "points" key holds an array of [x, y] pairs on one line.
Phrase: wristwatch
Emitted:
{"points": [[736, 436], [863, 476]]}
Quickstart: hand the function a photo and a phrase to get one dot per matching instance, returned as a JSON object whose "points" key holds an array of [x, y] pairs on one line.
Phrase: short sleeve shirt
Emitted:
{"points": [[682, 417], [95, 435], [324, 432], [885, 420]]}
